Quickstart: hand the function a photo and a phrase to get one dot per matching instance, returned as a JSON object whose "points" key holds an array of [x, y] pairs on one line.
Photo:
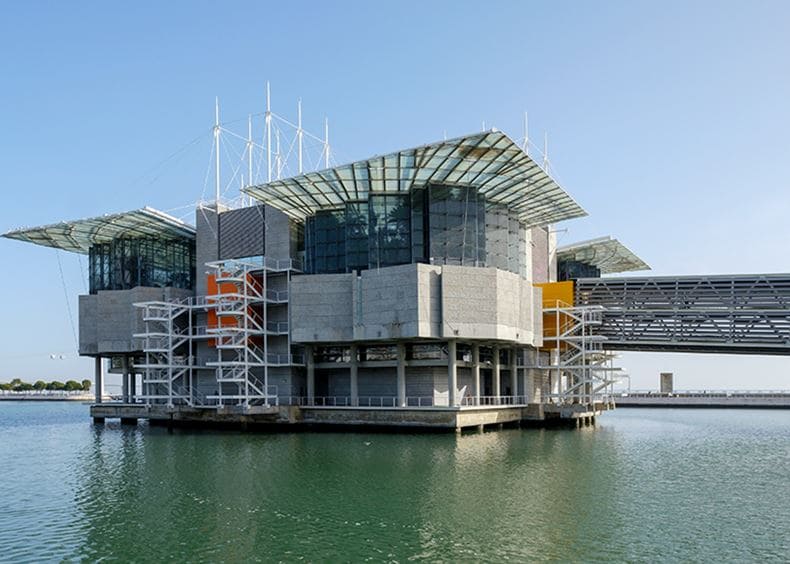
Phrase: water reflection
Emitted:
{"points": [[208, 495], [643, 485]]}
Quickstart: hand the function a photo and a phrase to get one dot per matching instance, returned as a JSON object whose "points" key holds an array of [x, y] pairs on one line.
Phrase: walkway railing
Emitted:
{"points": [[392, 401]]}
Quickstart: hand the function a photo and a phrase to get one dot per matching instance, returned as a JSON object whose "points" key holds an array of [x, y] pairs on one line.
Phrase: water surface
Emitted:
{"points": [[644, 485]]}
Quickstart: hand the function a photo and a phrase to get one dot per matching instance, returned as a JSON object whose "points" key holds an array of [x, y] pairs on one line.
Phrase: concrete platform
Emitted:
{"points": [[294, 417]]}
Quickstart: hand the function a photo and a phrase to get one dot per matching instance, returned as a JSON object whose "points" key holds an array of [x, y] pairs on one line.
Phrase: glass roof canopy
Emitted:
{"points": [[605, 253], [489, 161], [78, 236]]}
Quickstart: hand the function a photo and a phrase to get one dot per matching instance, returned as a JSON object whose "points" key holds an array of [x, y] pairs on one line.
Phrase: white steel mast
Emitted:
{"points": [[278, 163], [268, 133], [526, 133], [299, 131], [326, 142], [216, 151], [546, 151]]}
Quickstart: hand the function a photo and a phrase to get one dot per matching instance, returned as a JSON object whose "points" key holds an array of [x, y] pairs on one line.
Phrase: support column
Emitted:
{"points": [[98, 379], [125, 379], [513, 374], [310, 363], [401, 375], [476, 372], [452, 373], [530, 375], [495, 379], [354, 376]]}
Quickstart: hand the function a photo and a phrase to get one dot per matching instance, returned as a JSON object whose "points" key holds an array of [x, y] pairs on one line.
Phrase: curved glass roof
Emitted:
{"points": [[605, 253], [79, 235], [489, 161]]}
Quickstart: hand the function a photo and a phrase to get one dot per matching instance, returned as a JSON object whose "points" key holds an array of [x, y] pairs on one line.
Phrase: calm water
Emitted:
{"points": [[644, 485]]}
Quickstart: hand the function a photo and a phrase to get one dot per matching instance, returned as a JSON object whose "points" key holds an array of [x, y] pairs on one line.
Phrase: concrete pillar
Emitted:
{"points": [[533, 378], [452, 373], [495, 377], [401, 373], [354, 375], [98, 379], [513, 374], [125, 379], [310, 363], [476, 373], [667, 383]]}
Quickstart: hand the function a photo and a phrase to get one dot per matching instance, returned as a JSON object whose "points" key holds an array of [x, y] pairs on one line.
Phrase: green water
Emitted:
{"points": [[644, 485]]}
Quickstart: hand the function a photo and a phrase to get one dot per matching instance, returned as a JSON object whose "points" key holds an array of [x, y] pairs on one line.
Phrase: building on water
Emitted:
{"points": [[419, 288]]}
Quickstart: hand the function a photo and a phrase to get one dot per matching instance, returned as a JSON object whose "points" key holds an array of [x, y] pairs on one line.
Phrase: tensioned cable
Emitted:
{"points": [[68, 304]]}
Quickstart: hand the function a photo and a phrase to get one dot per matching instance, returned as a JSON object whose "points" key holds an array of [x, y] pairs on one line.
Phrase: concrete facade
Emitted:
{"points": [[416, 301]]}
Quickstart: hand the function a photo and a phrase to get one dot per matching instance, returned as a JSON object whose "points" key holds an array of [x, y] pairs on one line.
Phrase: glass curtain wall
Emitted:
{"points": [[357, 255], [456, 220], [389, 237], [126, 263], [325, 242], [571, 270], [438, 224]]}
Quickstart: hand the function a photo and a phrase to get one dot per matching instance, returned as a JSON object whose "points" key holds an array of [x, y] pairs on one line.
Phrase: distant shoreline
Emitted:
{"points": [[50, 396]]}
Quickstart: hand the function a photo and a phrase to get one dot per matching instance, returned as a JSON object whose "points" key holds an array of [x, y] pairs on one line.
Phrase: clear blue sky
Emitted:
{"points": [[667, 121]]}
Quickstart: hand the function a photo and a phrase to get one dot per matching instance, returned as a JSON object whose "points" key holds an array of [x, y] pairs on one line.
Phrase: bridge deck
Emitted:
{"points": [[744, 314]]}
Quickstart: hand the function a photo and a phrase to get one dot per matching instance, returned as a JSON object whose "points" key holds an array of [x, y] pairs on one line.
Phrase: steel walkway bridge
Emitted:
{"points": [[744, 314]]}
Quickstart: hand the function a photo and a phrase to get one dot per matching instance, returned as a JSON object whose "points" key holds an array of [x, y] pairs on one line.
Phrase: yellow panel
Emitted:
{"points": [[555, 294], [557, 291]]}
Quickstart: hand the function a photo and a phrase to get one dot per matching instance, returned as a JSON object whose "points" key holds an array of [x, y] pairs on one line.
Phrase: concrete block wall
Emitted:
{"points": [[386, 303], [277, 234], [206, 244], [540, 254], [483, 303], [108, 320], [415, 301], [321, 308]]}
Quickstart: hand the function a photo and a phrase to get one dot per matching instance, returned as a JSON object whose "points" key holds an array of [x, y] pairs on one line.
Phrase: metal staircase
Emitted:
{"points": [[168, 360], [240, 336], [580, 370]]}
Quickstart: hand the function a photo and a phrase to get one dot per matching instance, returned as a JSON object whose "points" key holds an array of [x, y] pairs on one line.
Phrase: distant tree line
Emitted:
{"points": [[17, 385]]}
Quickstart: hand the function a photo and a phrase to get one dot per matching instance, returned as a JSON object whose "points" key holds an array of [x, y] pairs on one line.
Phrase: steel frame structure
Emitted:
{"points": [[745, 314], [167, 345], [580, 370], [241, 338]]}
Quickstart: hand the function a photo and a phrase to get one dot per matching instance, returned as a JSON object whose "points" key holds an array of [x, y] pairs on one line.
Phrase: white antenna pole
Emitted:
{"points": [[326, 142], [278, 164], [249, 149], [546, 151], [268, 133], [216, 149], [526, 133], [484, 125], [299, 131]]}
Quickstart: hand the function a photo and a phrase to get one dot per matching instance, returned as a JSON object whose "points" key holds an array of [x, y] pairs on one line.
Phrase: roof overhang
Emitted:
{"points": [[489, 161], [78, 236], [605, 253]]}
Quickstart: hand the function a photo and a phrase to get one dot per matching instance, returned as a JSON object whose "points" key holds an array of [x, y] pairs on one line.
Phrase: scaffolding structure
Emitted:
{"points": [[241, 335], [238, 329], [167, 348], [580, 370]]}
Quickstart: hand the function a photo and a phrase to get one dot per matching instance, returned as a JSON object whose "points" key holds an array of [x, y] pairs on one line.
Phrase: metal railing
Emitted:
{"points": [[392, 401], [706, 394]]}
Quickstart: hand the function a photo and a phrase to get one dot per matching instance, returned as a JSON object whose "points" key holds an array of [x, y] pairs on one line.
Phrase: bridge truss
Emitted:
{"points": [[745, 314]]}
